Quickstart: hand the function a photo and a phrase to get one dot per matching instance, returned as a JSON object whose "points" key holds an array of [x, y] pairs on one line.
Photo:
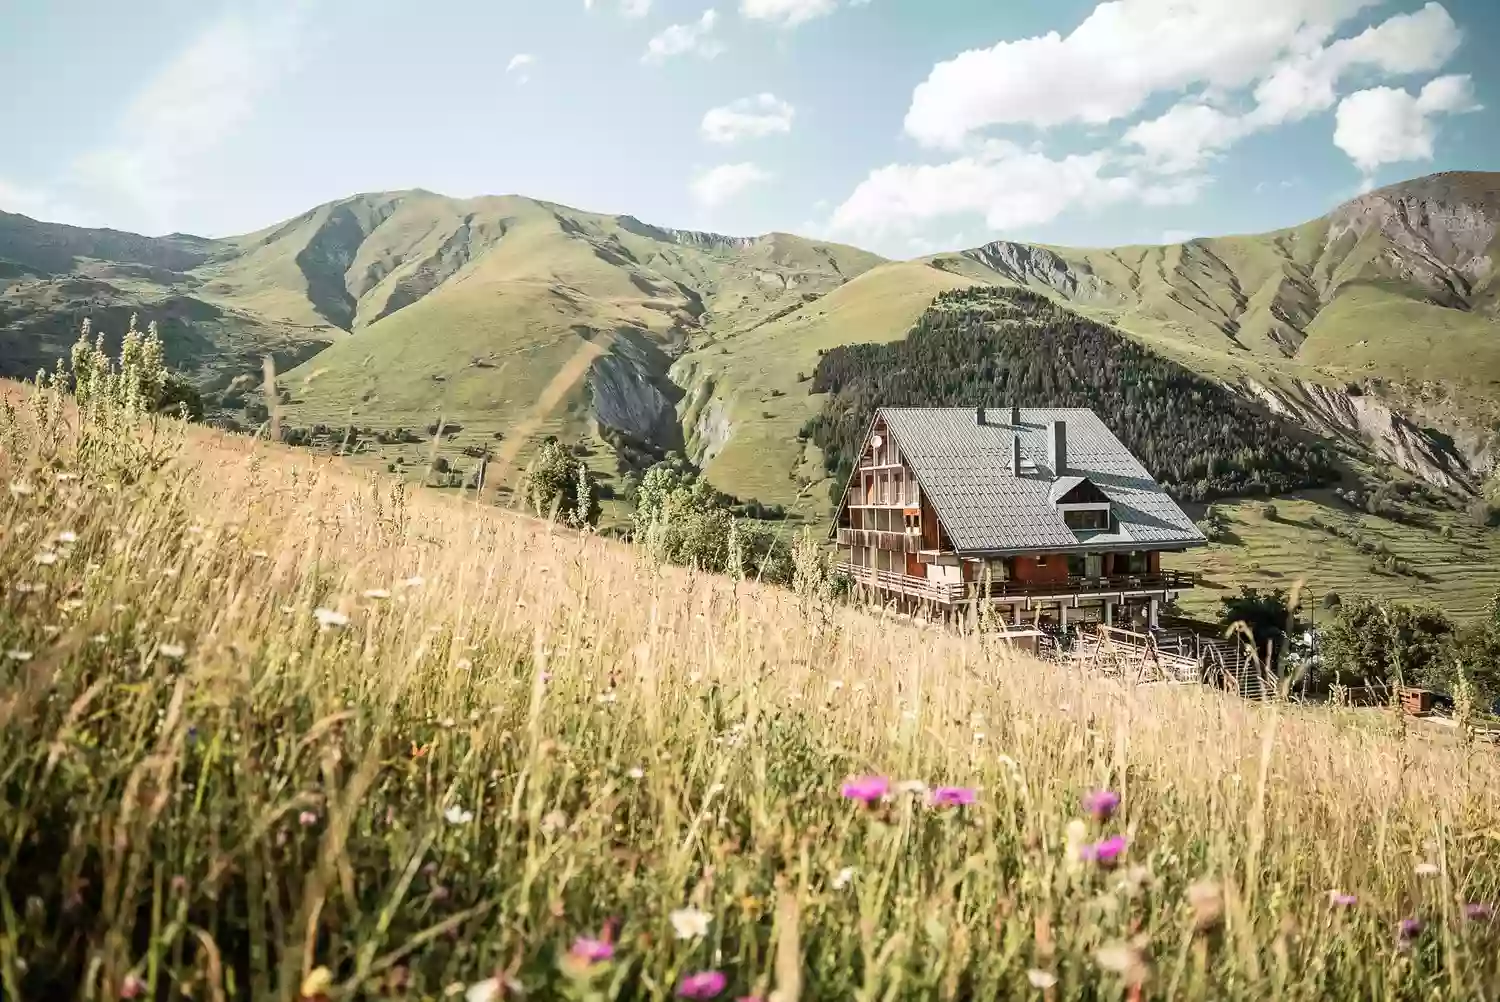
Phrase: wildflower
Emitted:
{"points": [[456, 815], [67, 536], [553, 821], [46, 558], [1041, 979], [690, 923], [172, 651], [1125, 959], [1101, 804], [1407, 930], [1425, 869], [487, 990], [635, 772], [15, 654], [377, 593], [307, 818], [328, 617], [1105, 853], [703, 985], [911, 786], [952, 796], [843, 878], [592, 951], [1342, 900], [1207, 901], [412, 582], [464, 664], [1477, 911], [866, 788], [132, 987]]}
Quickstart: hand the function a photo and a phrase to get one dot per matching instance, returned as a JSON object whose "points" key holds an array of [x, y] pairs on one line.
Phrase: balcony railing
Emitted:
{"points": [[902, 542], [948, 593]]}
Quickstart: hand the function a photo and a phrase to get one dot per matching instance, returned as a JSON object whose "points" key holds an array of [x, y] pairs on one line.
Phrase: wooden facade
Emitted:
{"points": [[893, 543]]}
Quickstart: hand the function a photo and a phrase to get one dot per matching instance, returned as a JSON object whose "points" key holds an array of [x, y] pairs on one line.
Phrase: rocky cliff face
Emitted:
{"points": [[1439, 233], [1025, 264]]}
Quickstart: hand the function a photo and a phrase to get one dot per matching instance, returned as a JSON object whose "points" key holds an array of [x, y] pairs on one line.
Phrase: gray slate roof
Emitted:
{"points": [[964, 470]]}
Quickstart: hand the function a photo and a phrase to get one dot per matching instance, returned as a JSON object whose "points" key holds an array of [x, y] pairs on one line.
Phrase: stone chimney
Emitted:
{"points": [[979, 415], [1015, 455], [1057, 447]]}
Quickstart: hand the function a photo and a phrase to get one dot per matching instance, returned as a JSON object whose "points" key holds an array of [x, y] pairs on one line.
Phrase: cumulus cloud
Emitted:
{"points": [[748, 118], [786, 13], [630, 8], [1192, 132], [1105, 69], [718, 185], [1009, 186], [1386, 125], [684, 39]]}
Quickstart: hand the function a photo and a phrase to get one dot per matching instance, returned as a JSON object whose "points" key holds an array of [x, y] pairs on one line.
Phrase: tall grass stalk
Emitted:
{"points": [[271, 728]]}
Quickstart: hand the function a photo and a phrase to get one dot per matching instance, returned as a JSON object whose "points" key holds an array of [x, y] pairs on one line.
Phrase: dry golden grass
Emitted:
{"points": [[272, 728]]}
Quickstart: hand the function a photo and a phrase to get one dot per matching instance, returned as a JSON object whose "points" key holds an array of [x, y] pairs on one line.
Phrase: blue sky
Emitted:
{"points": [[904, 126]]}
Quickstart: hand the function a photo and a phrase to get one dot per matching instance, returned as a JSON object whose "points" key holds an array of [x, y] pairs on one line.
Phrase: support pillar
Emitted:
{"points": [[1109, 613], [1151, 616], [1062, 614]]}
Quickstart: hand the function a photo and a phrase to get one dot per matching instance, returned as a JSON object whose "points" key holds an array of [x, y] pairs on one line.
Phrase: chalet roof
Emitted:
{"points": [[964, 470]]}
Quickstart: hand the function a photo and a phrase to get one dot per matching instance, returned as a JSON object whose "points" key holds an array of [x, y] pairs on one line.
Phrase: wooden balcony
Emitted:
{"points": [[901, 542], [950, 593]]}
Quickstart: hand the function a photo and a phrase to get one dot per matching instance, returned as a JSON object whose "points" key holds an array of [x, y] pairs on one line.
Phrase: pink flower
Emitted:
{"points": [[132, 987], [1342, 900], [866, 788], [952, 796], [592, 950], [1407, 930], [1478, 911], [1101, 804], [307, 819], [703, 985], [1105, 853]]}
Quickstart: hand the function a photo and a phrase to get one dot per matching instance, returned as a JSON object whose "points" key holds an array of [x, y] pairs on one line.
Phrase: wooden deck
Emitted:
{"points": [[949, 593]]}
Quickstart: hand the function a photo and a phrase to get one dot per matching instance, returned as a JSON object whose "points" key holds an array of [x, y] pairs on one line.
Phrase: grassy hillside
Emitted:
{"points": [[275, 729]]}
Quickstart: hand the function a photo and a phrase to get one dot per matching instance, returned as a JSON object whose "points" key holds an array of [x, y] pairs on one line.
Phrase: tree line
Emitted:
{"points": [[997, 347]]}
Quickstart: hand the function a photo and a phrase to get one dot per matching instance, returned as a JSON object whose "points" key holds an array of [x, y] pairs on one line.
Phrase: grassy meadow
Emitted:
{"points": [[278, 728]]}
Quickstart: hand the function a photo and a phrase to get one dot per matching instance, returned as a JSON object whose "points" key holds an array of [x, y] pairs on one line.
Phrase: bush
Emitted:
{"points": [[559, 486], [1484, 514], [1376, 641]]}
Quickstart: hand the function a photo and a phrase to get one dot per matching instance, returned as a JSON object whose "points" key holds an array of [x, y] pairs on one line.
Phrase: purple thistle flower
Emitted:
{"points": [[1101, 804], [866, 788], [953, 796], [592, 950], [1342, 900], [1105, 853], [1478, 911], [703, 985], [1407, 930]]}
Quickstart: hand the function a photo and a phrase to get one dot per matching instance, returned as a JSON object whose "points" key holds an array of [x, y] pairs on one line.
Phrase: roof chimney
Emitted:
{"points": [[1015, 455], [1015, 416], [979, 415], [1057, 447]]}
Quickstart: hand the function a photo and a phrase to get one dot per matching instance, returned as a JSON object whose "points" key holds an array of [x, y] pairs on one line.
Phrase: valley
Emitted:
{"points": [[507, 319]]}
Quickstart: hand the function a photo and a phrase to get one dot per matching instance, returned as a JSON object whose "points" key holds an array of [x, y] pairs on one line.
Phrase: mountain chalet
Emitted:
{"points": [[1040, 511]]}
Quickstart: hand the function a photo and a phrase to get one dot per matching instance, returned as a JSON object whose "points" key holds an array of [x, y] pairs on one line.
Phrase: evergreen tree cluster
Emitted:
{"points": [[998, 347]]}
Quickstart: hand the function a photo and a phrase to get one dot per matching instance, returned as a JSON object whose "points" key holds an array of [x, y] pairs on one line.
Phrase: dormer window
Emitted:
{"points": [[1083, 506]]}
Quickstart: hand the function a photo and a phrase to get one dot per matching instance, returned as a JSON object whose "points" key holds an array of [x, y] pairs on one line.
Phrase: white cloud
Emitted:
{"points": [[630, 8], [1177, 236], [720, 184], [1105, 69], [748, 118], [786, 13], [520, 64], [682, 39], [1189, 134], [33, 202], [1009, 186], [1385, 125]]}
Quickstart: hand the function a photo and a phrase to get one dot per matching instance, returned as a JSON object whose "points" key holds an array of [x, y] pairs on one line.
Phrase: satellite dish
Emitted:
{"points": [[877, 441]]}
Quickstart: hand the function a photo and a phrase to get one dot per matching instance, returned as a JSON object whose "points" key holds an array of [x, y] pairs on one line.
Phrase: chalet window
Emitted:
{"points": [[1136, 563], [1086, 519], [913, 522], [1077, 566]]}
